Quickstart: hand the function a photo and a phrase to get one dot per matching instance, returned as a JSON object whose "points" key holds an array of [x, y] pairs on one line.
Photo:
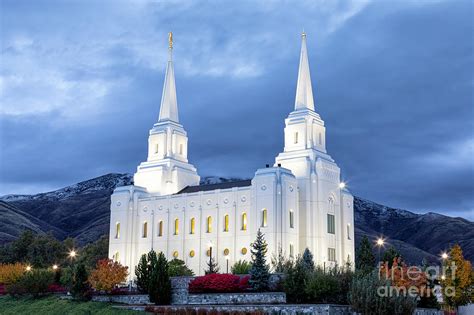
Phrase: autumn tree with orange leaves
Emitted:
{"points": [[107, 275], [408, 279], [457, 282]]}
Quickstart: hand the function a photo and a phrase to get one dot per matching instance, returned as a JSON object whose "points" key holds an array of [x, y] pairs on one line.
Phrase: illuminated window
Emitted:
{"points": [[244, 221], [209, 224], [331, 225], [226, 223], [296, 137], [192, 226], [157, 146], [176, 226], [348, 231], [264, 217], [331, 254], [160, 228], [145, 230], [116, 257], [292, 219], [117, 230], [181, 149], [292, 250]]}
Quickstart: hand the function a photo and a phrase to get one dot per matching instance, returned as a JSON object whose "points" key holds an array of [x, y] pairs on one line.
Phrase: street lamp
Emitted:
{"points": [[227, 262], [55, 267], [210, 255], [72, 253], [380, 243], [444, 256], [28, 268]]}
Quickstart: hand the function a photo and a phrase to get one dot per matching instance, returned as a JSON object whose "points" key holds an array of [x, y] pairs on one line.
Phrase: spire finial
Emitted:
{"points": [[170, 40]]}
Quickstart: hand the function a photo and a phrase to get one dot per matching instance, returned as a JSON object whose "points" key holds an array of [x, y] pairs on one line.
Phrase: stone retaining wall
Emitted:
{"points": [[133, 299], [237, 298]]}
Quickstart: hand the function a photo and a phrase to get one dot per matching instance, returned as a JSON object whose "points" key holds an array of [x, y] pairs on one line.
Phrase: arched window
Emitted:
{"points": [[176, 226], [145, 230], [264, 217], [117, 230], [244, 221], [296, 137], [292, 219], [116, 257], [226, 223], [160, 228], [209, 224], [192, 226]]}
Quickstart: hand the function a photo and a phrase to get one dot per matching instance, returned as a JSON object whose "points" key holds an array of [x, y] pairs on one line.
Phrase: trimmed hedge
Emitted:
{"points": [[219, 283]]}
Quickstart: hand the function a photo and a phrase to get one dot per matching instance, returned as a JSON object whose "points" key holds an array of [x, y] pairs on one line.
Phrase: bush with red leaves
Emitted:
{"points": [[3, 291], [219, 283], [56, 288]]}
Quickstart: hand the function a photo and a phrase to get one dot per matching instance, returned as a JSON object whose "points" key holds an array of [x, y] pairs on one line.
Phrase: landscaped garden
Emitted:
{"points": [[39, 274]]}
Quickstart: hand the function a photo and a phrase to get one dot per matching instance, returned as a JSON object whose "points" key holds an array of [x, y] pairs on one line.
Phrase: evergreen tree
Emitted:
{"points": [[178, 268], [389, 255], [212, 267], [80, 286], [159, 287], [295, 281], [308, 260], [142, 274], [365, 259], [259, 273]]}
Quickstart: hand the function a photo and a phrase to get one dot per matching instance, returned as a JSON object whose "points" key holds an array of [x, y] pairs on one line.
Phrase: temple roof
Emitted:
{"points": [[209, 187]]}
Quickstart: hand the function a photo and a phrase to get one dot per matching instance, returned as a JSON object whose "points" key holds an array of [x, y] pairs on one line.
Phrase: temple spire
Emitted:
{"points": [[304, 91], [169, 102]]}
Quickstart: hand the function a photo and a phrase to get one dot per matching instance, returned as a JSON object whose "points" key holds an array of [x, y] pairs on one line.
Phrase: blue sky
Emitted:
{"points": [[81, 83]]}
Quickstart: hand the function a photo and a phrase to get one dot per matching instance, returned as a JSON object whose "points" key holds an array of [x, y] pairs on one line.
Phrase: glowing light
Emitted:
{"points": [[443, 277], [55, 267], [72, 253], [380, 242], [342, 185], [28, 268], [444, 256]]}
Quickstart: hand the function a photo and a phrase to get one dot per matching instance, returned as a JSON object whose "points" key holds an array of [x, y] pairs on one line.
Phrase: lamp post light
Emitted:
{"points": [[28, 268], [227, 262], [380, 243], [55, 267], [72, 253], [444, 256]]}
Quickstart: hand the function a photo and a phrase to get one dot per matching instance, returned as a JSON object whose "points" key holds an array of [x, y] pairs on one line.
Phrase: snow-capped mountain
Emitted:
{"points": [[82, 211]]}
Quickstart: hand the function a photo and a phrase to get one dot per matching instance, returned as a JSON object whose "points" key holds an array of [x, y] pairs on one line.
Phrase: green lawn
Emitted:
{"points": [[53, 305]]}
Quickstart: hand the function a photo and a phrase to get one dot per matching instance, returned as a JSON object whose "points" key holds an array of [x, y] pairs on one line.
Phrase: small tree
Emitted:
{"points": [[160, 284], [178, 268], [308, 259], [365, 259], [212, 267], [10, 273], [280, 263], [142, 273], [259, 273], [107, 275], [389, 255], [80, 286], [459, 276], [33, 283], [295, 281]]}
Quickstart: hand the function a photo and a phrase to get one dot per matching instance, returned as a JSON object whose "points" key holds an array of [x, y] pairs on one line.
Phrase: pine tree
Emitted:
{"points": [[80, 286], [308, 260], [160, 284], [212, 267], [365, 259], [259, 273], [142, 273], [389, 255]]}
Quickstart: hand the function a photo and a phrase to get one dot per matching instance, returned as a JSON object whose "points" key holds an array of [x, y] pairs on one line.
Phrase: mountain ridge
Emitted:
{"points": [[82, 211]]}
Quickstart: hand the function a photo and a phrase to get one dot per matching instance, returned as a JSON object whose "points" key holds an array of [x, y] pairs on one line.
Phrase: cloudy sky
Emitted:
{"points": [[81, 82]]}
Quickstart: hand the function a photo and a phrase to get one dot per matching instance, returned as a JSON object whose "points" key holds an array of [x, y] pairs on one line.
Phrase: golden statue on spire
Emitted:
{"points": [[170, 40]]}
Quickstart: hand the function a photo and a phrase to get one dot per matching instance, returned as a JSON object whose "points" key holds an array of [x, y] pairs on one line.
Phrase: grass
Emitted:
{"points": [[53, 305]]}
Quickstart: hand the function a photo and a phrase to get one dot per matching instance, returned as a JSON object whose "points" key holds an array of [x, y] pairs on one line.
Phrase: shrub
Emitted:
{"points": [[241, 267], [365, 297], [308, 259], [295, 281], [219, 283], [280, 263], [329, 286], [10, 273], [66, 279], [80, 289], [142, 272], [35, 282], [107, 275], [259, 272], [178, 268], [160, 285]]}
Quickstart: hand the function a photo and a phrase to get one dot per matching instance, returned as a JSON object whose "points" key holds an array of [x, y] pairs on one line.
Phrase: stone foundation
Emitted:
{"points": [[237, 298], [132, 299]]}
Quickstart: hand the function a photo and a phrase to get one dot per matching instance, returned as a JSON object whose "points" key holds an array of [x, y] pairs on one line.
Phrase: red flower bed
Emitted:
{"points": [[2, 289], [56, 288], [219, 283]]}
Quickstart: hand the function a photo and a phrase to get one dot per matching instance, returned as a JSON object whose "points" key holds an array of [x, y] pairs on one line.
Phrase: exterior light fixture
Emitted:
{"points": [[72, 253], [342, 185], [55, 267], [444, 255], [380, 242], [28, 268]]}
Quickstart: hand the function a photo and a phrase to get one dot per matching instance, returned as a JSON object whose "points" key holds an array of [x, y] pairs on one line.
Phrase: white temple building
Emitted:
{"points": [[298, 203]]}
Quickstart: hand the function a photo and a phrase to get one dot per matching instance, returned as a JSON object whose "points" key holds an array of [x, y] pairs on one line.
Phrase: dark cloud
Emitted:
{"points": [[81, 87]]}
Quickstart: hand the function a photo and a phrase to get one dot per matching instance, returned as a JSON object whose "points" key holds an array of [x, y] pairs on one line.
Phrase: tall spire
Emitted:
{"points": [[304, 91], [169, 102]]}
